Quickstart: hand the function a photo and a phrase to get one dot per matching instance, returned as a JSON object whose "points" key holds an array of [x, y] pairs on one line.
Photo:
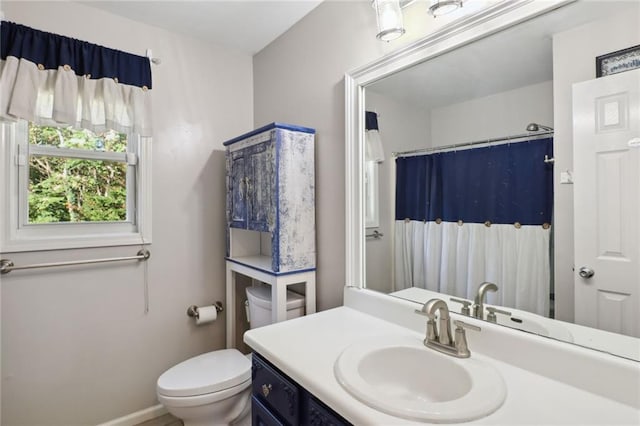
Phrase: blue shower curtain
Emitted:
{"points": [[474, 215], [503, 184]]}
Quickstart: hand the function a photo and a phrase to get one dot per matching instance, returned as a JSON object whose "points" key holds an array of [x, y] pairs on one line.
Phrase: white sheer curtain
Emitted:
{"points": [[455, 259]]}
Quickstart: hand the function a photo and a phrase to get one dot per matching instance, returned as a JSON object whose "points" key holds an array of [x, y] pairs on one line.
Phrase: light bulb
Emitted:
{"points": [[389, 18], [442, 7]]}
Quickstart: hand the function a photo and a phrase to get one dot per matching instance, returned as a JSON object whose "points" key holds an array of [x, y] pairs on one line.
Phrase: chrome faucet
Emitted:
{"points": [[430, 308], [478, 303], [439, 338]]}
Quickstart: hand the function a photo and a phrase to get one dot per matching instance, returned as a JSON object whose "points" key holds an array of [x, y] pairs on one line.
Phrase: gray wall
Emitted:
{"points": [[77, 347], [494, 116]]}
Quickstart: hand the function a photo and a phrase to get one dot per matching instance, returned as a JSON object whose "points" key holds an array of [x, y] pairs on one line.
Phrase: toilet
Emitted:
{"points": [[210, 389], [259, 299], [215, 388]]}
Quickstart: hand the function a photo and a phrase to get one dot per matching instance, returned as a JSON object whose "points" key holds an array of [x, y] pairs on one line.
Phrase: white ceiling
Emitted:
{"points": [[244, 25], [517, 57]]}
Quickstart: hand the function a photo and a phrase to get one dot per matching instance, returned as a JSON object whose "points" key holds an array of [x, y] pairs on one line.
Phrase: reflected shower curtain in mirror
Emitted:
{"points": [[468, 216]]}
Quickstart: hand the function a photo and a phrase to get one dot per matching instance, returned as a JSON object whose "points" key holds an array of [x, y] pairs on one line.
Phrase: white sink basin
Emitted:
{"points": [[402, 377]]}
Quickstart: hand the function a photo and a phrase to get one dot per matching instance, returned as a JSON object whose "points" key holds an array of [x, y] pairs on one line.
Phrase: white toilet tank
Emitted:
{"points": [[260, 305]]}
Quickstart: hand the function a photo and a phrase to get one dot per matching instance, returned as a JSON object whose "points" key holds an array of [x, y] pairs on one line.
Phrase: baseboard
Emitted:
{"points": [[137, 417]]}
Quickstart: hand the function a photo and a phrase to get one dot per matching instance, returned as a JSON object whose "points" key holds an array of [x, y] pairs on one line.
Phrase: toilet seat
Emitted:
{"points": [[205, 399], [209, 373]]}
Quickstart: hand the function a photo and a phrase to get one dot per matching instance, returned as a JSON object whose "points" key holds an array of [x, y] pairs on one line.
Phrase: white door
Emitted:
{"points": [[606, 152]]}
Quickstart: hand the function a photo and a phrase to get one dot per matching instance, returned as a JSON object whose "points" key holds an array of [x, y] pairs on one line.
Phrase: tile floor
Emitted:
{"points": [[166, 420]]}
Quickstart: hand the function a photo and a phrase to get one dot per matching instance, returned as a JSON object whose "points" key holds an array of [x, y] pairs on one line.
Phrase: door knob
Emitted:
{"points": [[585, 272]]}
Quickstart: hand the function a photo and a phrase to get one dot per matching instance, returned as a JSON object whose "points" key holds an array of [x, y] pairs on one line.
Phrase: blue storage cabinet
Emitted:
{"points": [[270, 211], [271, 189]]}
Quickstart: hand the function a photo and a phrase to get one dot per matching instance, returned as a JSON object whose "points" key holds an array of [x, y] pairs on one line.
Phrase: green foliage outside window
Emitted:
{"points": [[64, 189]]}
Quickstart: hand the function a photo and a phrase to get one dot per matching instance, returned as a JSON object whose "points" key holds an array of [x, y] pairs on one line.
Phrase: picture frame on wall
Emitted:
{"points": [[618, 61]]}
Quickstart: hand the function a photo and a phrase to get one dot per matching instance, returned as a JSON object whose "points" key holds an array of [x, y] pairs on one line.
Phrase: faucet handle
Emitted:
{"points": [[461, 325], [465, 305], [491, 316], [462, 348]]}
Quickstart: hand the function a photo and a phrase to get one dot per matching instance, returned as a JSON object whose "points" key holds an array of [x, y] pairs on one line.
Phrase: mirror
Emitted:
{"points": [[445, 96]]}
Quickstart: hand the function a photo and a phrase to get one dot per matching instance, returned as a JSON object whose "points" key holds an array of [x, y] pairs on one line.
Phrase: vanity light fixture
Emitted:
{"points": [[442, 7], [389, 18]]}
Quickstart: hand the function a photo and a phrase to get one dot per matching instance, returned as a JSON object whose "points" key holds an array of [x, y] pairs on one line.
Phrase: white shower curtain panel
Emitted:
{"points": [[455, 259]]}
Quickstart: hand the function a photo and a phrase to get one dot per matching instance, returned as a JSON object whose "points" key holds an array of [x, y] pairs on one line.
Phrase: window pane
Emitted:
{"points": [[76, 190], [70, 137]]}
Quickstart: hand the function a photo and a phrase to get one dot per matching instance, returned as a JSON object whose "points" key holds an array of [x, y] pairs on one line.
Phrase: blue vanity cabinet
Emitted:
{"points": [[278, 400]]}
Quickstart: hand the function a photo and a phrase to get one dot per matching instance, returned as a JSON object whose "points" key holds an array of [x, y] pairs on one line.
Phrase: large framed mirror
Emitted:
{"points": [[506, 160]]}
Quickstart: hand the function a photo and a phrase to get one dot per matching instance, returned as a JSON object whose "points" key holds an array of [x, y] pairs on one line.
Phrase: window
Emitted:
{"points": [[67, 187]]}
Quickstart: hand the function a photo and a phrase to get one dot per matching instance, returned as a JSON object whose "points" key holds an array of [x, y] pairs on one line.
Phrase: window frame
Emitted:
{"points": [[16, 234]]}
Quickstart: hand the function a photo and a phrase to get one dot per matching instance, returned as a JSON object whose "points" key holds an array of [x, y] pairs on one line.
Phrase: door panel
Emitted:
{"points": [[238, 195], [619, 308], [606, 202], [260, 176]]}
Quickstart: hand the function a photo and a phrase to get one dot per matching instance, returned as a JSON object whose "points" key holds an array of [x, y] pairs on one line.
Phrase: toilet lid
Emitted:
{"points": [[206, 373]]}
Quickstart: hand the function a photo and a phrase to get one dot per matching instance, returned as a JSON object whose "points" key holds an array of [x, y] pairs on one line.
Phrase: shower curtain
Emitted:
{"points": [[468, 216]]}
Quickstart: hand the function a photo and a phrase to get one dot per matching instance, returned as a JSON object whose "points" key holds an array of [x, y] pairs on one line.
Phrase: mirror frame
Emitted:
{"points": [[460, 32]]}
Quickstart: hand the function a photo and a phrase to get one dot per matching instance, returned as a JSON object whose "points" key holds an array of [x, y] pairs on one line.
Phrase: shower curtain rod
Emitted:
{"points": [[463, 144]]}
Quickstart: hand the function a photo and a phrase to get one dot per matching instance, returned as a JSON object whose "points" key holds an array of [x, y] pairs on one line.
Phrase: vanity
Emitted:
{"points": [[543, 378]]}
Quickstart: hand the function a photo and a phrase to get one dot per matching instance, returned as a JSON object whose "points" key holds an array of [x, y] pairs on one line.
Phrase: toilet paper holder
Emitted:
{"points": [[192, 310]]}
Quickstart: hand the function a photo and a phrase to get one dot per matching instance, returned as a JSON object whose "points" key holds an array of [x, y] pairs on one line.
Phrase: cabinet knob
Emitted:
{"points": [[244, 187], [266, 389]]}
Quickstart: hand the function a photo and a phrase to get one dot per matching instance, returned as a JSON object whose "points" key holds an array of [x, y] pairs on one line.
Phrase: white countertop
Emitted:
{"points": [[306, 348]]}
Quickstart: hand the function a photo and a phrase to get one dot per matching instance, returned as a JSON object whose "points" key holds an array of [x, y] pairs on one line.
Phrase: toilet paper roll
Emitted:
{"points": [[206, 314]]}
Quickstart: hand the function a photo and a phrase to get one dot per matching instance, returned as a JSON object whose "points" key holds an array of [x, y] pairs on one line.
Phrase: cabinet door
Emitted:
{"points": [[317, 414], [275, 391], [237, 189], [261, 416], [260, 187]]}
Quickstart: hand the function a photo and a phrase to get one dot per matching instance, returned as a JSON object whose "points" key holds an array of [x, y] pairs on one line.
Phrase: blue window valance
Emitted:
{"points": [[501, 184], [374, 151], [52, 79], [84, 58], [371, 120]]}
